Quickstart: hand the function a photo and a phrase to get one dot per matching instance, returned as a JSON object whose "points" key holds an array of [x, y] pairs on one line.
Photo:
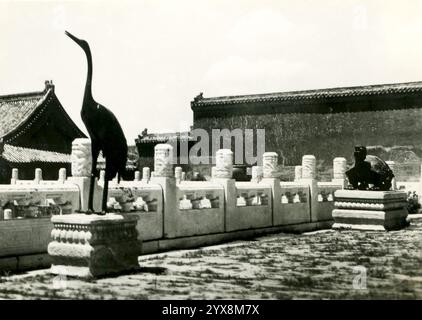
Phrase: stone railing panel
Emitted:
{"points": [[294, 205], [35, 201], [142, 199], [199, 208], [252, 208], [325, 198]]}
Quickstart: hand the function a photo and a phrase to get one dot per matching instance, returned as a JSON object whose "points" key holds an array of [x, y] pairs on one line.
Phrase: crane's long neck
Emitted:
{"points": [[88, 90]]}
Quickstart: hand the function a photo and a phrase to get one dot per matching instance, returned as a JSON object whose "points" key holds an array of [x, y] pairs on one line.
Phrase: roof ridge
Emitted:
{"points": [[317, 92], [164, 133], [22, 95]]}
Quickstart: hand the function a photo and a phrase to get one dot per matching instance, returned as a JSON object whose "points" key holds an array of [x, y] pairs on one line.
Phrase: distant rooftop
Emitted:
{"points": [[163, 137], [15, 109], [371, 90]]}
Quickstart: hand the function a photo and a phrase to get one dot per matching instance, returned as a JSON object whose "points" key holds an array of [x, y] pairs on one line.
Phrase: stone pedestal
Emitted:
{"points": [[89, 246], [369, 210]]}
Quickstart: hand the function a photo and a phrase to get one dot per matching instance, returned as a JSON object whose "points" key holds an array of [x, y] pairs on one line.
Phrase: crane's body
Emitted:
{"points": [[105, 132], [106, 139]]}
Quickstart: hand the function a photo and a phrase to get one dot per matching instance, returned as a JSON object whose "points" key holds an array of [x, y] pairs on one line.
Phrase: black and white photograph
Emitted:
{"points": [[213, 155]]}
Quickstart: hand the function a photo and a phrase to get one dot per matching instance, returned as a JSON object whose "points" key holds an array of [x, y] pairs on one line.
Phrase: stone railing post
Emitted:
{"points": [[81, 158], [420, 185], [164, 176], [62, 175], [178, 174], [339, 171], [223, 164], [298, 173], [38, 176], [222, 173], [163, 160], [257, 173], [270, 170], [102, 177], [270, 164], [309, 177], [392, 166], [15, 176], [137, 176], [146, 174]]}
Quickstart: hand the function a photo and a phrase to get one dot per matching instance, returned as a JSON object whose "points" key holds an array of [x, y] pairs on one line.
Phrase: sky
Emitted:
{"points": [[152, 57]]}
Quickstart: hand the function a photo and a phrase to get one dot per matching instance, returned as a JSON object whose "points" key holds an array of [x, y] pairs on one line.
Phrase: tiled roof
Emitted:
{"points": [[16, 154], [16, 109], [370, 90], [164, 137]]}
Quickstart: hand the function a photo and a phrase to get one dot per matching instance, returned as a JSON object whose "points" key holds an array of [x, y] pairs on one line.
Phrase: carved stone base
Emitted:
{"points": [[90, 246], [370, 210]]}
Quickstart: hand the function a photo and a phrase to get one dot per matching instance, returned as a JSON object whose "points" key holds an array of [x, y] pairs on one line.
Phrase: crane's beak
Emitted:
{"points": [[71, 36]]}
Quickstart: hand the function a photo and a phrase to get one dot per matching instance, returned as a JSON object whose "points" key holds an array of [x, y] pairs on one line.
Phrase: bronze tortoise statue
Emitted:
{"points": [[369, 172]]}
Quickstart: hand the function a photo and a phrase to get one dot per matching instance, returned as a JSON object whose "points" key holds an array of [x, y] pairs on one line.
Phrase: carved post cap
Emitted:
{"points": [[223, 164], [308, 167], [81, 157], [339, 168], [163, 160], [270, 164]]}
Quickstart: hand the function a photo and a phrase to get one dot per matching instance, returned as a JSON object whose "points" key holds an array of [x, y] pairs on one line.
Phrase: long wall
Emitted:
{"points": [[293, 127]]}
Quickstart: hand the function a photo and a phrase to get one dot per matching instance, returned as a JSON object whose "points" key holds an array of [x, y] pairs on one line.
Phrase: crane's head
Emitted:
{"points": [[82, 43]]}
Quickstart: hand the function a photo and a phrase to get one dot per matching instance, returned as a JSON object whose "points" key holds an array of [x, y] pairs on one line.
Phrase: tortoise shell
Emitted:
{"points": [[382, 169], [379, 166]]}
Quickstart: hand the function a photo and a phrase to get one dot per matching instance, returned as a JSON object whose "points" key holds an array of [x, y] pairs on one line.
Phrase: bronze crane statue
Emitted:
{"points": [[105, 132]]}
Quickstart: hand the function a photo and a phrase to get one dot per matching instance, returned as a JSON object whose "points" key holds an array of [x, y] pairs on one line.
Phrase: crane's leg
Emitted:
{"points": [[95, 152], [105, 195]]}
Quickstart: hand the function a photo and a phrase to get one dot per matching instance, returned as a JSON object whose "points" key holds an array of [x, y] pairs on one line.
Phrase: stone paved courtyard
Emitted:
{"points": [[316, 265]]}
